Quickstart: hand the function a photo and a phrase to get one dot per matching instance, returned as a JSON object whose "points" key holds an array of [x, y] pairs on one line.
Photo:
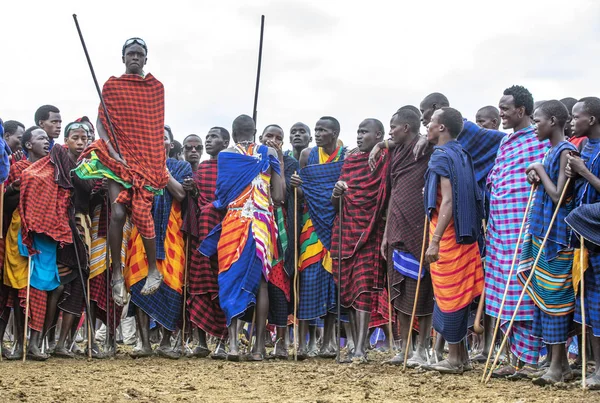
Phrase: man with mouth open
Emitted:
{"points": [[134, 160]]}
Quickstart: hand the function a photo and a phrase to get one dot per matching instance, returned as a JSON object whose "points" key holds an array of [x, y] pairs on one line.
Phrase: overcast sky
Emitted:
{"points": [[349, 60]]}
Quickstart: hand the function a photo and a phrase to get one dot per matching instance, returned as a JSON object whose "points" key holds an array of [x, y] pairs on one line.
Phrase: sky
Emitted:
{"points": [[351, 60]]}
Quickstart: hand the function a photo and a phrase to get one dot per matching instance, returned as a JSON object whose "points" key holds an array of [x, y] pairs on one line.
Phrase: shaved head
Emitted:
{"points": [[243, 128]]}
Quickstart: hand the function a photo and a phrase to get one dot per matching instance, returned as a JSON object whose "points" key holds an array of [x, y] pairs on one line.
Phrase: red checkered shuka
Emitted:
{"points": [[363, 208], [203, 275], [136, 106], [98, 295], [44, 205], [37, 307]]}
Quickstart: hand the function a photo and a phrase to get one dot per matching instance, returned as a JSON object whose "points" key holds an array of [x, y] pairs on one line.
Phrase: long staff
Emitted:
{"points": [[85, 294], [295, 324], [477, 327], [339, 298], [537, 259], [582, 302], [185, 277], [414, 310], [108, 294], [512, 267], [260, 48], [26, 311], [87, 56], [390, 328]]}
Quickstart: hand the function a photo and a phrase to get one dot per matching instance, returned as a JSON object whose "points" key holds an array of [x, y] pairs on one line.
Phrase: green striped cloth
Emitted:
{"points": [[94, 169], [283, 238]]}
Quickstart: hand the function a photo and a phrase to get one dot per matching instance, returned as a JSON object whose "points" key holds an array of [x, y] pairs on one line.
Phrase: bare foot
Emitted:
{"points": [[153, 282], [119, 291], [549, 378], [141, 352], [35, 354], [62, 352], [593, 382]]}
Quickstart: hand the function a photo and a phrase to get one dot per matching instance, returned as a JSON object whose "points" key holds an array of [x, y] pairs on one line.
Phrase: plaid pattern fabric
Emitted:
{"points": [[543, 207], [278, 275], [98, 295], [404, 289], [591, 295], [37, 306], [523, 344], [550, 328], [509, 193], [40, 193], [482, 144], [317, 294], [164, 306], [206, 313], [72, 299], [452, 325], [406, 214], [379, 310], [136, 108], [591, 155], [279, 306], [585, 220]]}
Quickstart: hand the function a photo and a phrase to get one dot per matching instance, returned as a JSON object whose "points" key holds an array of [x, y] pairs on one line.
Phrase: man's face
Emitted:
{"points": [[215, 143], [39, 145], [14, 140], [167, 141], [77, 141], [426, 113], [274, 134], [52, 125], [581, 122], [433, 129], [91, 134], [300, 137], [134, 59], [367, 136], [192, 149], [397, 132], [324, 134], [511, 116], [486, 121]]}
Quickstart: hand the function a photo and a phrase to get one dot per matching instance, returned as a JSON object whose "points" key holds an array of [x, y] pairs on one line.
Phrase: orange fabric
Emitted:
{"points": [[235, 230], [172, 267], [457, 276]]}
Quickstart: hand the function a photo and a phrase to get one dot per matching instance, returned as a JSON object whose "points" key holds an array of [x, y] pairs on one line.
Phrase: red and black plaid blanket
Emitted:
{"points": [[406, 212], [362, 229], [203, 277], [45, 201]]}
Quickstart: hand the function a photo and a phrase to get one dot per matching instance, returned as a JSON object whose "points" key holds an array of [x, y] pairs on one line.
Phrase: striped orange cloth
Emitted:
{"points": [[171, 268], [457, 276], [234, 235]]}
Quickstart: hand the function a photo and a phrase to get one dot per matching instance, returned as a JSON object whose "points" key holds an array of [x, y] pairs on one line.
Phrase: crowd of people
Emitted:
{"points": [[411, 230]]}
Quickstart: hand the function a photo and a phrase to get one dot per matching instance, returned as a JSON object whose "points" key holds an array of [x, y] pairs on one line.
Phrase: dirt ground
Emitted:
{"points": [[123, 379]]}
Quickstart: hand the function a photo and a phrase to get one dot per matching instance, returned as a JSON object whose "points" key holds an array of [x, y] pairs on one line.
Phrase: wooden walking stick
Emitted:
{"points": [[582, 302], [185, 275], [477, 327], [414, 310], [529, 278], [89, 319], [108, 294], [26, 311], [295, 324], [510, 272], [339, 291], [390, 328]]}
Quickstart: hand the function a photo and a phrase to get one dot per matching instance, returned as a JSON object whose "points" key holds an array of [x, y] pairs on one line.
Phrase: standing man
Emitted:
{"points": [[192, 150], [320, 169], [488, 117], [365, 194], [203, 301], [300, 138], [13, 132], [134, 162], [509, 191], [249, 182], [48, 118]]}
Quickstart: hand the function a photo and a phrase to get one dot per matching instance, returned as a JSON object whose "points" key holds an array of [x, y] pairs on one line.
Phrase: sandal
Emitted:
{"points": [[504, 372], [119, 292], [234, 357], [255, 357], [445, 367]]}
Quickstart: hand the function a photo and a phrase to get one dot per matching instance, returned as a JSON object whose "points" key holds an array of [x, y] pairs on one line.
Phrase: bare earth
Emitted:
{"points": [[204, 380]]}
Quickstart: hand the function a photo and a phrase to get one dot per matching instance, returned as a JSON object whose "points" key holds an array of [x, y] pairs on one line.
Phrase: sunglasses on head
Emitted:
{"points": [[77, 126], [197, 148], [131, 41]]}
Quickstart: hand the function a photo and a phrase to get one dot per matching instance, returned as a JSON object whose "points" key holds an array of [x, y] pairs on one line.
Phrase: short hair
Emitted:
{"points": [[411, 108], [273, 125], [569, 103], [522, 97], [176, 150], [27, 136], [591, 106], [557, 109], [190, 136], [408, 115], [224, 132], [11, 127], [436, 98], [452, 119], [377, 124], [43, 113], [301, 124], [168, 129], [244, 125], [334, 122], [490, 111]]}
